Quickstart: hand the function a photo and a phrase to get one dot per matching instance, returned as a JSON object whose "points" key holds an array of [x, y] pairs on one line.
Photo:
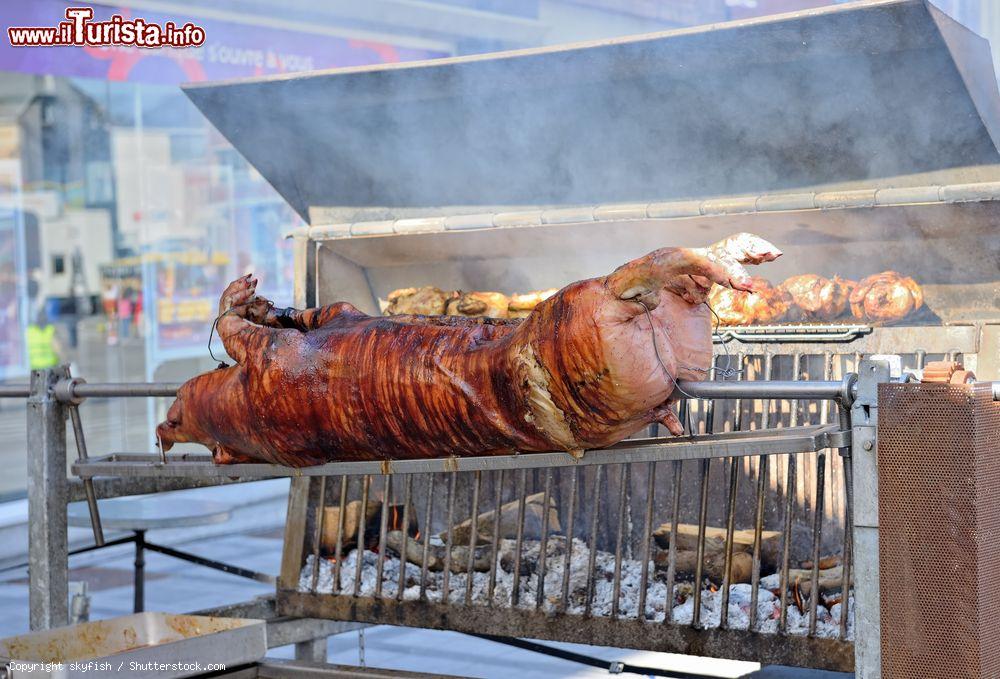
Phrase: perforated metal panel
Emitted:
{"points": [[939, 530]]}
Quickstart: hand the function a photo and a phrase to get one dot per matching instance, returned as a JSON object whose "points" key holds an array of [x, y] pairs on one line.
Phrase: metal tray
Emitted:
{"points": [[160, 645], [808, 439]]}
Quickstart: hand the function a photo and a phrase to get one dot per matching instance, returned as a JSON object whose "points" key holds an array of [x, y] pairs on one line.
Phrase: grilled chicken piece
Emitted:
{"points": [[886, 297], [522, 305], [427, 301], [489, 304], [817, 298], [590, 366], [764, 304]]}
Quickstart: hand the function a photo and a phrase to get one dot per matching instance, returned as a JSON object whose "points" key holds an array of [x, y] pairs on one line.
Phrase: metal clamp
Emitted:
{"points": [[838, 439], [65, 391]]}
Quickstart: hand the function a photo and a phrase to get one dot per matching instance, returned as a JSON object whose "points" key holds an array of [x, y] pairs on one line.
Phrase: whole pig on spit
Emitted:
{"points": [[588, 367]]}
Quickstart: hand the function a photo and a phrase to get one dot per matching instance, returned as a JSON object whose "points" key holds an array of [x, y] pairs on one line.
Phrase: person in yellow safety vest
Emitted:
{"points": [[43, 345]]}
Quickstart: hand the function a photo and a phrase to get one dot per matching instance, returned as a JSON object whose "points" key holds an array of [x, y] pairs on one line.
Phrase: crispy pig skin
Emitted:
{"points": [[581, 371]]}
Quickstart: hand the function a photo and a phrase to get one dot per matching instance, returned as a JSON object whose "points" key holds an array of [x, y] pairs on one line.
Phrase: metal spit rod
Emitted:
{"points": [[68, 390], [777, 389]]}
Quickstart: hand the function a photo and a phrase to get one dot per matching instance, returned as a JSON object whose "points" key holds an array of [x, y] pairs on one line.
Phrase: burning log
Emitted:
{"points": [[825, 562], [372, 519], [435, 554], [715, 543], [533, 519], [714, 565], [830, 579]]}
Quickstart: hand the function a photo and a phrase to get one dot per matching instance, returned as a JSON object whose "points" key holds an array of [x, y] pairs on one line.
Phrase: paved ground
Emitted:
{"points": [[252, 540]]}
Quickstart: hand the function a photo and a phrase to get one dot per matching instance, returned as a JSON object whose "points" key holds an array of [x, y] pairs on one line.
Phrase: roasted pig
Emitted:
{"points": [[522, 305], [427, 301], [886, 297], [488, 304], [591, 365], [817, 298], [762, 305]]}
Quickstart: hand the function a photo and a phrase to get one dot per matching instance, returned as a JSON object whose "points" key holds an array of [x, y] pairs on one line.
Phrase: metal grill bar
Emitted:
{"points": [[570, 527], [339, 548], [616, 582], [817, 533], [734, 479], [675, 511], [446, 576], [473, 535], [704, 470], [845, 582], [494, 542], [515, 594], [592, 557], [647, 529], [427, 537], [382, 529], [318, 533], [787, 545], [362, 520], [407, 493], [544, 544]]}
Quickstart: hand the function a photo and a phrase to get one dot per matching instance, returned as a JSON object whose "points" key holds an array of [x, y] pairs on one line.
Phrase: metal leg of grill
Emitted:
{"points": [[48, 574], [864, 451], [139, 575]]}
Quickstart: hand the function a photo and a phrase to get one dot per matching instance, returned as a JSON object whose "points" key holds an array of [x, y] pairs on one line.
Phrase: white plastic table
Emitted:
{"points": [[139, 514]]}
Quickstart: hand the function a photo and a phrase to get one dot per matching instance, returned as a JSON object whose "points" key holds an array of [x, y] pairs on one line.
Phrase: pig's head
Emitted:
{"points": [[609, 351]]}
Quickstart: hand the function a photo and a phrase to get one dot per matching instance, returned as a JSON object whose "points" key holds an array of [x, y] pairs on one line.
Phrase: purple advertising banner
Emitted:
{"points": [[231, 49]]}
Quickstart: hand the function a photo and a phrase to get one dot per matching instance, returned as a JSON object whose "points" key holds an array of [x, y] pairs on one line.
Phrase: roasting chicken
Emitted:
{"points": [[591, 365], [762, 305], [817, 298], [488, 304], [428, 300], [886, 297], [522, 305]]}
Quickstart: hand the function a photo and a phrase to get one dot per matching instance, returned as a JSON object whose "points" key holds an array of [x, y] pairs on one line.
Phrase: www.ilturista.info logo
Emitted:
{"points": [[80, 29]]}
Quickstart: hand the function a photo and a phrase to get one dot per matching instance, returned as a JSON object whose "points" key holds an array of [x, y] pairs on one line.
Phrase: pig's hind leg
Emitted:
{"points": [[240, 311]]}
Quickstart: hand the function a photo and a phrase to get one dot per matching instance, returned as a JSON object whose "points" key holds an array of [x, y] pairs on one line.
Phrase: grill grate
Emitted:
{"points": [[939, 518]]}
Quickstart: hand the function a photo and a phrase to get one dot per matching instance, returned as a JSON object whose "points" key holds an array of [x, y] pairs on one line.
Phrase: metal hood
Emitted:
{"points": [[862, 95]]}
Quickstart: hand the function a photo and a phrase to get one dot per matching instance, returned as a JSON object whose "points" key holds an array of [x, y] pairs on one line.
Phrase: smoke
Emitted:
{"points": [[849, 97], [842, 97]]}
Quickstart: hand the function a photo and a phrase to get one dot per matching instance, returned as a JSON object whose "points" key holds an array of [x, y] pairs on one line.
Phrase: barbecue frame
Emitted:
{"points": [[971, 193]]}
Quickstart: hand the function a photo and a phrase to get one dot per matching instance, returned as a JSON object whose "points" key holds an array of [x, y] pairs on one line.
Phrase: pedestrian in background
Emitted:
{"points": [[125, 308], [44, 348], [109, 301]]}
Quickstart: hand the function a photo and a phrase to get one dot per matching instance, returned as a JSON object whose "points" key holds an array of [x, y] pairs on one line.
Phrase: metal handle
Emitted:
{"points": [[88, 483], [792, 333]]}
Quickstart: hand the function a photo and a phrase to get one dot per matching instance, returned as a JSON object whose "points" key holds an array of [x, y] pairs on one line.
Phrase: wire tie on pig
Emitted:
{"points": [[211, 334], [726, 372]]}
